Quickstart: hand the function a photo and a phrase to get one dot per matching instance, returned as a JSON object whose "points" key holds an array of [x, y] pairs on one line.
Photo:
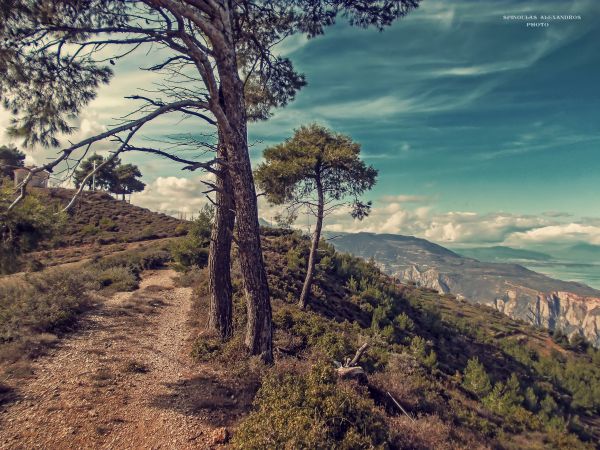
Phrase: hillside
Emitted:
{"points": [[129, 363], [99, 218], [99, 225], [571, 307]]}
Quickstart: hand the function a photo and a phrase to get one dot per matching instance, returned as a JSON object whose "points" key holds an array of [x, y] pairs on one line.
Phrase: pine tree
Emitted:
{"points": [[476, 379], [320, 170]]}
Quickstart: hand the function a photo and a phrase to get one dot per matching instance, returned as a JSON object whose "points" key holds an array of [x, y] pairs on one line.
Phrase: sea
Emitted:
{"points": [[567, 271]]}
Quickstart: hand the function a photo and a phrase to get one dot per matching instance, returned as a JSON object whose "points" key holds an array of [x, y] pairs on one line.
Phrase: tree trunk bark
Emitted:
{"points": [[219, 260], [314, 248], [259, 339]]}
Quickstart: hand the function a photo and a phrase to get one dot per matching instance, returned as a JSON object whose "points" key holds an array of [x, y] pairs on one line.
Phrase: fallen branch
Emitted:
{"points": [[400, 406], [350, 368], [358, 355]]}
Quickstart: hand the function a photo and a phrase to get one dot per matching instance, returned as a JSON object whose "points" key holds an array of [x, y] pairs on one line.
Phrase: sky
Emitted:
{"points": [[484, 130]]}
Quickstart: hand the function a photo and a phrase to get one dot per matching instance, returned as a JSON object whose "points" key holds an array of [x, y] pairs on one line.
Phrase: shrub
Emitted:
{"points": [[181, 229], [136, 260], [418, 347], [403, 322], [531, 399], [23, 228], [44, 303], [147, 233], [336, 341], [191, 278], [314, 410], [476, 379], [295, 261], [118, 279], [188, 254], [206, 348], [89, 229], [505, 400], [107, 224], [425, 433], [192, 251]]}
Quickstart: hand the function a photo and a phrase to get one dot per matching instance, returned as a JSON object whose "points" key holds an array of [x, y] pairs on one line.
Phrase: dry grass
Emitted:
{"points": [[100, 219]]}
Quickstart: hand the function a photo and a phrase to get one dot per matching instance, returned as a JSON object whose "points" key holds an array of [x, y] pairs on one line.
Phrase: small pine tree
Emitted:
{"points": [[403, 322], [418, 347], [352, 285], [512, 391], [379, 319], [548, 406], [476, 379], [531, 400]]}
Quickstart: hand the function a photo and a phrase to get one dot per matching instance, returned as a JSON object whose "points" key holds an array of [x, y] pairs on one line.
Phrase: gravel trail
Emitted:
{"points": [[122, 382]]}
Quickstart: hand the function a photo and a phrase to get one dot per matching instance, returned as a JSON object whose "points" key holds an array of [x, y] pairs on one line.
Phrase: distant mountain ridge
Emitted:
{"points": [[500, 253], [588, 251], [511, 288]]}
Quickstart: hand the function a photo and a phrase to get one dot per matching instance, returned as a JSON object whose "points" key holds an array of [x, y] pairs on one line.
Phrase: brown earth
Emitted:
{"points": [[97, 218], [125, 381]]}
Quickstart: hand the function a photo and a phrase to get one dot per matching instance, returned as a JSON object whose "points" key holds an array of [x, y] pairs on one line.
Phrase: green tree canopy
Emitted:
{"points": [[316, 159], [10, 159], [104, 177], [320, 170], [113, 176], [125, 180]]}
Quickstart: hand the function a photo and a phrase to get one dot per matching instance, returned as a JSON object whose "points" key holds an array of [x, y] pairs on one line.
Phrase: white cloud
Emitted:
{"points": [[400, 214], [416, 216], [559, 234], [173, 195]]}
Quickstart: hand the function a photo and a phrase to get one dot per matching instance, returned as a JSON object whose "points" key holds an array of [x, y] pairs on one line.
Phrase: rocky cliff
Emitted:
{"points": [[520, 293]]}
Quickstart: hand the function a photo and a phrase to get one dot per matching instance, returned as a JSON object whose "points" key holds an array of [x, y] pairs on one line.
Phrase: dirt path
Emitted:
{"points": [[125, 381]]}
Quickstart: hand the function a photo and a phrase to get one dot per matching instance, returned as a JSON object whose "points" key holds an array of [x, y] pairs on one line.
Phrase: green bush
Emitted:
{"points": [[188, 254], [295, 261], [24, 227], [136, 260], [192, 250], [118, 279], [418, 348], [476, 379], [306, 411], [46, 302], [206, 348], [107, 225], [89, 229]]}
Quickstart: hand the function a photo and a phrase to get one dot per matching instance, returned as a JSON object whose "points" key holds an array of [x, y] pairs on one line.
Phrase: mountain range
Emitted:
{"points": [[571, 307]]}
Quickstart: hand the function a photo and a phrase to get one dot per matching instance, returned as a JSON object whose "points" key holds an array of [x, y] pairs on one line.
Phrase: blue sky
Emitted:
{"points": [[484, 130], [454, 103]]}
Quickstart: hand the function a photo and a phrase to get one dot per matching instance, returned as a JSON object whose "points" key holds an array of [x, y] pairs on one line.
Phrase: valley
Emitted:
{"points": [[572, 308]]}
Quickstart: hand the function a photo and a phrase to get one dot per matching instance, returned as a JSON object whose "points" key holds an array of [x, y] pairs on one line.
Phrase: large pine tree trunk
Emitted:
{"points": [[314, 248], [219, 261], [259, 339]]}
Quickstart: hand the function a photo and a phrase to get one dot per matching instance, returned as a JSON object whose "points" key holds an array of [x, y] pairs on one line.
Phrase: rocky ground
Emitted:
{"points": [[124, 381]]}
